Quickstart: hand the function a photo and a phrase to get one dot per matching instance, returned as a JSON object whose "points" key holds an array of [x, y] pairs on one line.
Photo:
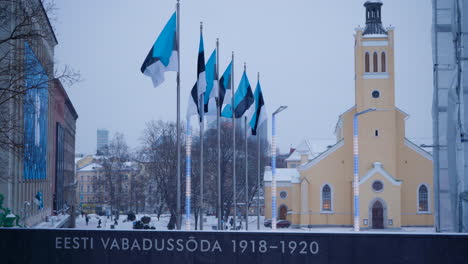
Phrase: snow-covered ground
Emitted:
{"points": [[211, 222], [161, 224], [55, 221]]}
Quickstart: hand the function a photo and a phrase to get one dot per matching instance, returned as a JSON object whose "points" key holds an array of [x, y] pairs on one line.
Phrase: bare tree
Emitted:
{"points": [[137, 188], [211, 171], [160, 149], [116, 168]]}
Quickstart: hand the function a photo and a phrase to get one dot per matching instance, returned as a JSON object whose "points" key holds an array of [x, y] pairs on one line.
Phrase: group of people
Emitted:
{"points": [[86, 216]]}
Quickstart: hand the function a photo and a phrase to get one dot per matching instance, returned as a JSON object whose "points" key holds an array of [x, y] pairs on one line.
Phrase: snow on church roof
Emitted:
{"points": [[311, 147], [282, 174], [90, 167]]}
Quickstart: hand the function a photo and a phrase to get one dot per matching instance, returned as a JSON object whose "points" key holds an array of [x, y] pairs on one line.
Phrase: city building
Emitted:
{"points": [[450, 114], [395, 175], [93, 185], [38, 124], [62, 126], [102, 141]]}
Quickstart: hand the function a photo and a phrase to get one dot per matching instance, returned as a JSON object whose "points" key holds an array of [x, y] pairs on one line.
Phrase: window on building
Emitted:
{"points": [[423, 202], [376, 65], [375, 94], [383, 62], [376, 132], [326, 198], [283, 194], [367, 62]]}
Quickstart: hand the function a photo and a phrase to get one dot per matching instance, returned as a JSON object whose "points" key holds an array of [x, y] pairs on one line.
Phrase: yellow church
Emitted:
{"points": [[395, 177]]}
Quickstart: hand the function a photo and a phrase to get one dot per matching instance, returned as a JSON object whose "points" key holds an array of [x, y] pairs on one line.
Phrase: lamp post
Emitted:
{"points": [[356, 163], [273, 166]]}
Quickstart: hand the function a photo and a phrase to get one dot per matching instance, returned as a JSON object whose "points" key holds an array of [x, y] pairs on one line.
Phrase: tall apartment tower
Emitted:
{"points": [[102, 142]]}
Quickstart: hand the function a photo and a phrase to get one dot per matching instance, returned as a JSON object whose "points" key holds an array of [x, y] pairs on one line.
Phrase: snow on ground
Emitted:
{"points": [[211, 222], [55, 221]]}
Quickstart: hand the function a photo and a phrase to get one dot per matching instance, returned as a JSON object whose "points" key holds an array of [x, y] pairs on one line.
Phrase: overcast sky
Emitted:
{"points": [[303, 49]]}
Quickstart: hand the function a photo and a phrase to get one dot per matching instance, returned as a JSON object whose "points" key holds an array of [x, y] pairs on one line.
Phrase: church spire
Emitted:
{"points": [[374, 18]]}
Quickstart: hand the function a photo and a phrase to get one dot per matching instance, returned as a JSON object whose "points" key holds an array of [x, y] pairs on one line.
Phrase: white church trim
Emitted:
{"points": [[376, 75], [374, 43], [379, 169], [419, 150]]}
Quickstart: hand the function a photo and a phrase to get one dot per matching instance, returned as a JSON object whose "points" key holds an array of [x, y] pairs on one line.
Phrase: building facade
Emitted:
{"points": [[92, 179], [450, 114], [62, 127], [395, 175], [102, 141], [28, 167]]}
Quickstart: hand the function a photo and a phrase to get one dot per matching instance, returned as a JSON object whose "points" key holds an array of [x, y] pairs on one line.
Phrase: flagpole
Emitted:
{"points": [[188, 176], [246, 179], [246, 172], [179, 219], [234, 199], [258, 169], [218, 122], [202, 128]]}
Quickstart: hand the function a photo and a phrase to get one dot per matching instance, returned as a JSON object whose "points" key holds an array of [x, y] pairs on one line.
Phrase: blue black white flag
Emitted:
{"points": [[259, 113], [163, 56], [200, 86], [211, 84], [243, 100], [225, 88]]}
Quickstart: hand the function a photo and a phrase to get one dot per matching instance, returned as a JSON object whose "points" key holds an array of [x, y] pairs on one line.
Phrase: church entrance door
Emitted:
{"points": [[377, 215], [282, 212]]}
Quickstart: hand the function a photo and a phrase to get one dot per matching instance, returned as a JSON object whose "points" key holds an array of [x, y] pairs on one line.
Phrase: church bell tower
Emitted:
{"points": [[374, 61]]}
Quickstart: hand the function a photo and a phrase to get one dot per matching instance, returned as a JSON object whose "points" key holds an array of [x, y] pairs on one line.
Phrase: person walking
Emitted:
{"points": [[87, 219]]}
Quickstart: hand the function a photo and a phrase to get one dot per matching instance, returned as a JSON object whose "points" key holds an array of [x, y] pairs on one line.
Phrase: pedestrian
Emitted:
{"points": [[82, 213], [99, 223], [87, 219]]}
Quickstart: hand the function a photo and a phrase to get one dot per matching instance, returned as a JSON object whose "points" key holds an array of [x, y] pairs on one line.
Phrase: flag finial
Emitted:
{"points": [[258, 76], [245, 66], [201, 26]]}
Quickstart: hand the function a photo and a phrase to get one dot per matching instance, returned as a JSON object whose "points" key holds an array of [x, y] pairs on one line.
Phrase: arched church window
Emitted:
{"points": [[326, 198], [423, 202], [366, 62], [383, 61], [375, 62]]}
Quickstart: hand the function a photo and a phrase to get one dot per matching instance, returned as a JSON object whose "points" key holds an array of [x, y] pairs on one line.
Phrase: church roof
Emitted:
{"points": [[311, 147], [91, 167], [374, 19], [282, 175]]}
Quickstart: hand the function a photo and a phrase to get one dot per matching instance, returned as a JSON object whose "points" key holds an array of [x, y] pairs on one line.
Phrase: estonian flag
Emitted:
{"points": [[163, 56], [243, 99], [201, 77], [200, 86], [211, 81], [225, 88], [259, 114]]}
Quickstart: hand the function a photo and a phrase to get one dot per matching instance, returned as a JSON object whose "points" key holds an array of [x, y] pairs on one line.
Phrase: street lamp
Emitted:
{"points": [[356, 163], [273, 166]]}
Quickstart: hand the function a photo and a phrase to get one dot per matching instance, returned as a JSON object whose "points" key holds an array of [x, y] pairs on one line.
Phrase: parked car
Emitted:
{"points": [[283, 224], [279, 223]]}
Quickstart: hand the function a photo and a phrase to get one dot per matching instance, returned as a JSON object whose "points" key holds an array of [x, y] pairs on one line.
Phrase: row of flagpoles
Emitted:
{"points": [[242, 104]]}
